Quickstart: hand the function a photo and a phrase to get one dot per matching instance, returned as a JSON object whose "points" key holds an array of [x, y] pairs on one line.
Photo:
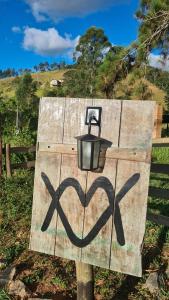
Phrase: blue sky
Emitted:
{"points": [[32, 31]]}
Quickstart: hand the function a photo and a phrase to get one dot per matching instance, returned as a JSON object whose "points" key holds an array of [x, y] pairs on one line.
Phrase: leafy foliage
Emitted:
{"points": [[89, 55], [160, 79], [116, 66], [142, 91], [154, 28], [19, 113]]}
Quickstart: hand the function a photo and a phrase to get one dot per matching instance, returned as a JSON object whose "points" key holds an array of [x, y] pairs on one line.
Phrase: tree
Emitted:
{"points": [[88, 56], [54, 66], [76, 83], [116, 65], [154, 28], [27, 101]]}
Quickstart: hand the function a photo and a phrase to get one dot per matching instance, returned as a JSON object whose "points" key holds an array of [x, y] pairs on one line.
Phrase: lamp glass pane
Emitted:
{"points": [[86, 155], [96, 154], [79, 153]]}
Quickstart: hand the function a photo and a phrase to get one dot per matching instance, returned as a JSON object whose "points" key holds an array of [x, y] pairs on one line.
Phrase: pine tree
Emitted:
{"points": [[154, 28]]}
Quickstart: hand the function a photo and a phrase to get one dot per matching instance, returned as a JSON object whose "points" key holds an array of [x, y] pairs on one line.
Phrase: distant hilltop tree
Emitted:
{"points": [[8, 73]]}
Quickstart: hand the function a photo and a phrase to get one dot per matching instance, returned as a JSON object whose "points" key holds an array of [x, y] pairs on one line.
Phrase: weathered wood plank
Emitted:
{"points": [[8, 161], [75, 111], [115, 153], [162, 142], [24, 165], [72, 208], [158, 193], [158, 219], [98, 251], [40, 241], [50, 129], [160, 168], [136, 131], [137, 125], [110, 120], [133, 215], [158, 115], [23, 149], [51, 116]]}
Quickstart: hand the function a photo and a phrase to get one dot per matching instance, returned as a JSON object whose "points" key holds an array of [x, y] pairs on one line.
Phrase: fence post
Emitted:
{"points": [[8, 162], [85, 281], [0, 155], [0, 145]]}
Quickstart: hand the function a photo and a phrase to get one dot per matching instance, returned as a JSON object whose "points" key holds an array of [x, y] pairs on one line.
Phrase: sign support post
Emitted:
{"points": [[85, 281]]}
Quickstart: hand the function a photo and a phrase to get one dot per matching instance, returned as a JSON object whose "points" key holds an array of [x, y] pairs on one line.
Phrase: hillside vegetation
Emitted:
{"points": [[7, 85], [130, 86]]}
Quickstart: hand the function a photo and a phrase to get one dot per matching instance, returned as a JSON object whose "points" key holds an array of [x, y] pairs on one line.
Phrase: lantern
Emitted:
{"points": [[88, 149]]}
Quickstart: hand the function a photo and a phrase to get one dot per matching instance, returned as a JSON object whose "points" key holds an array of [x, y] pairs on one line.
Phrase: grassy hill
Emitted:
{"points": [[7, 86], [131, 85]]}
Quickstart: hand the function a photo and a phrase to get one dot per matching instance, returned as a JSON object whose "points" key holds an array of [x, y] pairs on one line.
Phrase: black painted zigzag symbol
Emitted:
{"points": [[100, 182]]}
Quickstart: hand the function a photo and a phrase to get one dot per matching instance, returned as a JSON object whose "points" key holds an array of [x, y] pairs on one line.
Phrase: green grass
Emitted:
{"points": [[15, 214], [4, 295], [160, 155]]}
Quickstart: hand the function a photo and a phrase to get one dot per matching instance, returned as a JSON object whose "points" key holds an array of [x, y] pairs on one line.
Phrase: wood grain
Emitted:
{"points": [[74, 125], [44, 241], [51, 120], [75, 113], [72, 208], [133, 207], [136, 131], [158, 116], [137, 125], [98, 252], [112, 152]]}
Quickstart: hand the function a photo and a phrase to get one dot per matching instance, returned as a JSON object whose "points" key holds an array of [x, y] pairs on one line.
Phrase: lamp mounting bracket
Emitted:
{"points": [[93, 113]]}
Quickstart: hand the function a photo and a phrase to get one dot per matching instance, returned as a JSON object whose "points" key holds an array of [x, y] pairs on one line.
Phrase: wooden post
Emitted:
{"points": [[158, 116], [8, 163], [0, 148], [0, 155], [85, 281]]}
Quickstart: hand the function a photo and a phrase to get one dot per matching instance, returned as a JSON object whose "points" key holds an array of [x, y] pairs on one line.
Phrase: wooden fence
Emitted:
{"points": [[155, 168], [160, 193], [8, 150]]}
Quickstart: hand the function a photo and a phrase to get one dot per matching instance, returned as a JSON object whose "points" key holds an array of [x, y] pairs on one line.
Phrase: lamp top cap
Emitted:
{"points": [[88, 138]]}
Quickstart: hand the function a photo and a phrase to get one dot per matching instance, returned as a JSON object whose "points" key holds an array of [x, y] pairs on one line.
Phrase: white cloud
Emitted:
{"points": [[59, 9], [16, 29], [48, 42], [157, 61]]}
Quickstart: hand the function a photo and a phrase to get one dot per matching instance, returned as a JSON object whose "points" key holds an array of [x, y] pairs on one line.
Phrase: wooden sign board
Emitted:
{"points": [[96, 218]]}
